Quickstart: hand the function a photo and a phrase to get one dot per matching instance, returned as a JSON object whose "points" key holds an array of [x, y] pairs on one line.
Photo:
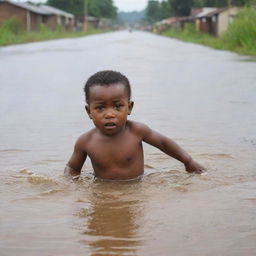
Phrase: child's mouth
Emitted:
{"points": [[110, 125]]}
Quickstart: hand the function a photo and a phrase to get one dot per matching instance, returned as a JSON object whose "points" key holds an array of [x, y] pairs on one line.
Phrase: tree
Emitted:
{"points": [[241, 2], [221, 3], [102, 8], [165, 10], [181, 7], [98, 8], [73, 6], [198, 3], [153, 11]]}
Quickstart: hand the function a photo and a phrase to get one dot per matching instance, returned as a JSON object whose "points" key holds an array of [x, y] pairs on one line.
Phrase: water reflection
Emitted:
{"points": [[112, 218]]}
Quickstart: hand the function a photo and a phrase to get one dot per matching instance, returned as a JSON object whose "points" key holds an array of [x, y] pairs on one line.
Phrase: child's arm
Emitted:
{"points": [[75, 164], [171, 148]]}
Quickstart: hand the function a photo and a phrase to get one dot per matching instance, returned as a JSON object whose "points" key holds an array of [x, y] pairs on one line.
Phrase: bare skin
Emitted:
{"points": [[115, 144]]}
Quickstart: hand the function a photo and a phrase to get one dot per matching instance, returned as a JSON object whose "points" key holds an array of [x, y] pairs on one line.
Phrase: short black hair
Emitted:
{"points": [[106, 77]]}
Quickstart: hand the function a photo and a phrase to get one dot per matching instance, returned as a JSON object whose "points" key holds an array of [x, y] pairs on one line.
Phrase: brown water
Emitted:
{"points": [[202, 98]]}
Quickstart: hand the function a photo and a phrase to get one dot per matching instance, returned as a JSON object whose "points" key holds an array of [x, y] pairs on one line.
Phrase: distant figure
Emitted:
{"points": [[115, 144]]}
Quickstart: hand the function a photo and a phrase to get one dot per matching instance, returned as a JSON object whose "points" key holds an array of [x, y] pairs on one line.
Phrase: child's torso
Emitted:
{"points": [[116, 157]]}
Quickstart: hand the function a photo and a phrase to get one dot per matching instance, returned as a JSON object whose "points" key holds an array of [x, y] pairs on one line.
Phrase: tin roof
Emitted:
{"points": [[41, 9], [218, 11], [53, 10], [29, 7], [205, 11]]}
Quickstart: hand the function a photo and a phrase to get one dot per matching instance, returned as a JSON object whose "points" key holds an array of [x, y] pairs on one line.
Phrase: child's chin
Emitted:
{"points": [[111, 131]]}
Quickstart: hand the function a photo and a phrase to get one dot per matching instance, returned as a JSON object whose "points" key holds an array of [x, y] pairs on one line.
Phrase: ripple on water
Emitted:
{"points": [[14, 150], [37, 179]]}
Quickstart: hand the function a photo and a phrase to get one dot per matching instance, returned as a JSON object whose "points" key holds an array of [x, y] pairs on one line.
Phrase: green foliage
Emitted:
{"points": [[97, 8], [198, 3], [73, 6], [242, 32], [102, 8], [11, 32], [181, 7], [165, 10], [220, 3], [12, 25], [153, 11], [43, 28]]}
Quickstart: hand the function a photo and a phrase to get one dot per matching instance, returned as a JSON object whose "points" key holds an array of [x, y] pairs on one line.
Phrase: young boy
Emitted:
{"points": [[115, 144]]}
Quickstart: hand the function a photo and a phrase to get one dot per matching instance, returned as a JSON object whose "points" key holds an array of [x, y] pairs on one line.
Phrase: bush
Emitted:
{"points": [[9, 31], [12, 26], [241, 34], [12, 32]]}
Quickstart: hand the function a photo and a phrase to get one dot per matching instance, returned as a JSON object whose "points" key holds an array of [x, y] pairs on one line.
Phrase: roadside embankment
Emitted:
{"points": [[11, 32], [240, 36]]}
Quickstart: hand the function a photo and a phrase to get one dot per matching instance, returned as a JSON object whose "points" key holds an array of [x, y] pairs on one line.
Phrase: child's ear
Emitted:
{"points": [[131, 104], [87, 108]]}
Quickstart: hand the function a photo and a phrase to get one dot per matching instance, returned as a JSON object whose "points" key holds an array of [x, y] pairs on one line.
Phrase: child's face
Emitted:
{"points": [[108, 107]]}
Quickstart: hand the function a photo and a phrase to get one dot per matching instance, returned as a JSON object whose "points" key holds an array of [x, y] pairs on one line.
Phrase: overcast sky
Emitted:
{"points": [[122, 5], [130, 5]]}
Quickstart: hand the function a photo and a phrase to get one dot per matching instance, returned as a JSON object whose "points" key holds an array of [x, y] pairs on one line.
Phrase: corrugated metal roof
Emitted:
{"points": [[29, 7], [53, 10], [218, 11], [205, 11]]}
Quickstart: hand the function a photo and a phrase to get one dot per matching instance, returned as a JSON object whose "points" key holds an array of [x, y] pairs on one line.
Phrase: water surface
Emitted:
{"points": [[202, 98]]}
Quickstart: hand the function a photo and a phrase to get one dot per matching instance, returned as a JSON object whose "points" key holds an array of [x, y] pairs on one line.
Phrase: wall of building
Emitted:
{"points": [[35, 21], [8, 11], [225, 18], [51, 22], [204, 25], [29, 20]]}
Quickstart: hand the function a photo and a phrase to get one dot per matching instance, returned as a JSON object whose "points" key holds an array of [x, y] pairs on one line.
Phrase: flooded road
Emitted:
{"points": [[204, 99]]}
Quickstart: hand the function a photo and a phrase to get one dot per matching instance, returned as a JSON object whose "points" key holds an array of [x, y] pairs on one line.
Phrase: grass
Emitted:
{"points": [[11, 32], [240, 36]]}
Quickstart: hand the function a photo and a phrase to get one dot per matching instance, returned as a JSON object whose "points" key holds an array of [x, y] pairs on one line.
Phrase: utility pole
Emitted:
{"points": [[85, 24]]}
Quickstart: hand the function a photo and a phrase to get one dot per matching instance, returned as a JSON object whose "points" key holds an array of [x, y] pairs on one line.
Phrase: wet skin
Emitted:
{"points": [[115, 144]]}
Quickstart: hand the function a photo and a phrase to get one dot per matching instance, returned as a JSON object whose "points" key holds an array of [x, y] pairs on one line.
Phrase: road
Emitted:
{"points": [[202, 98]]}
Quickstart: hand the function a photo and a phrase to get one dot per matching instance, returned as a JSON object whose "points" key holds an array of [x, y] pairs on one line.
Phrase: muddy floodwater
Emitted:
{"points": [[202, 98]]}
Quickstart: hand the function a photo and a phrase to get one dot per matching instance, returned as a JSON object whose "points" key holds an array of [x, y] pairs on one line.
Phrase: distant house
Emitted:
{"points": [[93, 21], [167, 23], [31, 16], [172, 22], [215, 21], [57, 17], [28, 15], [83, 22]]}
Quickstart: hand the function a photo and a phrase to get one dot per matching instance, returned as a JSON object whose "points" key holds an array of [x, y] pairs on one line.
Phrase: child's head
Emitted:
{"points": [[108, 96], [106, 78]]}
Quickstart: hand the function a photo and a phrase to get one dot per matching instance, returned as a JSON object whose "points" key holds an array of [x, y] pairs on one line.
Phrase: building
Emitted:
{"points": [[31, 16], [83, 23], [57, 17], [215, 21]]}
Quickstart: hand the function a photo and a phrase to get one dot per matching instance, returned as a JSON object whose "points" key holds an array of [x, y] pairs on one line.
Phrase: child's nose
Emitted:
{"points": [[110, 114]]}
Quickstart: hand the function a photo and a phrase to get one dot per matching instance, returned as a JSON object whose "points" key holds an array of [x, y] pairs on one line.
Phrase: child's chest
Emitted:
{"points": [[117, 151]]}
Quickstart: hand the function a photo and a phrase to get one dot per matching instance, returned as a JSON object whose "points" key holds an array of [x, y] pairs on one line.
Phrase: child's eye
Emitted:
{"points": [[99, 107], [118, 106]]}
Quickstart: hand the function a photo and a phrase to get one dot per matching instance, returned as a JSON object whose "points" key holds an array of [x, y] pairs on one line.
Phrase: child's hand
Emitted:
{"points": [[193, 166]]}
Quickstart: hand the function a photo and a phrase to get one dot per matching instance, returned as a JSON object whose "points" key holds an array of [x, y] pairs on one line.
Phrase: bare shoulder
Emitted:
{"points": [[85, 138], [139, 129]]}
